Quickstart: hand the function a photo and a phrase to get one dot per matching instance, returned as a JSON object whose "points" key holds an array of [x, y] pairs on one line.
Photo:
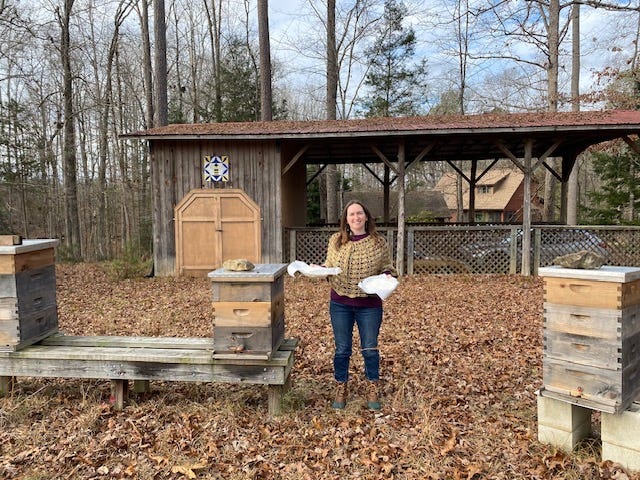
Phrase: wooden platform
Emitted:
{"points": [[120, 359]]}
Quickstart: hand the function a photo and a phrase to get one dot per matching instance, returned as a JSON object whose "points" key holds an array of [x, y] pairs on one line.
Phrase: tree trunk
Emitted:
{"points": [[160, 72], [265, 61], [553, 38], [147, 66], [149, 107], [331, 172], [72, 234], [572, 187], [214, 18]]}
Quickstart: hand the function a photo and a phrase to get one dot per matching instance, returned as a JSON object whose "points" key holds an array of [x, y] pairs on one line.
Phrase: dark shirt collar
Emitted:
{"points": [[355, 238]]}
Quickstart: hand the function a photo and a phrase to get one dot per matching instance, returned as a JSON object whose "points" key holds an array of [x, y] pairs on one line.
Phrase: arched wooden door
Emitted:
{"points": [[215, 225]]}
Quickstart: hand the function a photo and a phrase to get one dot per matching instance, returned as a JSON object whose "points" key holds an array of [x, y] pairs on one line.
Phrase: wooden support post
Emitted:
{"points": [[401, 217], [411, 247], [6, 385], [119, 393], [293, 251], [141, 386], [525, 269], [275, 396]]}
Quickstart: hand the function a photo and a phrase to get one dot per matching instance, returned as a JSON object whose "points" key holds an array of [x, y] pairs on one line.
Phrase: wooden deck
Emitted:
{"points": [[142, 359]]}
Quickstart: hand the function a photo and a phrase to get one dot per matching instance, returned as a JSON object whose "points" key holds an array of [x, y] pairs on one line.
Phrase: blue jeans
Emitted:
{"points": [[368, 320]]}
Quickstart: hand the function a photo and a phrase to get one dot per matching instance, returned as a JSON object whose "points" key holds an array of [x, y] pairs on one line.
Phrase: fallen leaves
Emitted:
{"points": [[188, 471], [461, 361]]}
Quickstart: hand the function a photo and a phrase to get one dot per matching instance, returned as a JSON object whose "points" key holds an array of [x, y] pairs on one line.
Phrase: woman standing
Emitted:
{"points": [[360, 251]]}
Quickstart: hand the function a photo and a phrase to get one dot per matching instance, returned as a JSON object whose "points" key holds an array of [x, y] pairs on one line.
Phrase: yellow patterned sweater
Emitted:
{"points": [[358, 260]]}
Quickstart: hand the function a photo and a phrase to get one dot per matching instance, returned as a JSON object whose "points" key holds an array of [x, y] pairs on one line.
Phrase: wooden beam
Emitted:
{"points": [[553, 172], [141, 386], [275, 395], [458, 171], [382, 157], [526, 210], [415, 161], [635, 146], [408, 165], [295, 158], [315, 175], [547, 153], [401, 215], [385, 200], [373, 173], [119, 393], [143, 359], [6, 385], [502, 147], [472, 192], [486, 170]]}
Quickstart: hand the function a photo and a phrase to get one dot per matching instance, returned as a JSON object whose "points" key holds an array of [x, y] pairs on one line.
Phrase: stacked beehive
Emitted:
{"points": [[592, 336], [249, 311], [28, 311]]}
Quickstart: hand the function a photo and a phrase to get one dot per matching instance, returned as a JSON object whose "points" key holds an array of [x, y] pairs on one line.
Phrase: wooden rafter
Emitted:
{"points": [[295, 158]]}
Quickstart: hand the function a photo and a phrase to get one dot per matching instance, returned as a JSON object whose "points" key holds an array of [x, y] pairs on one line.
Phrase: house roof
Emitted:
{"points": [[416, 202], [431, 138], [504, 181]]}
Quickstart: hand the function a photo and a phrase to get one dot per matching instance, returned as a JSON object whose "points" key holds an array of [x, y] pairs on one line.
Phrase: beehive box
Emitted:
{"points": [[592, 336], [248, 311], [28, 311]]}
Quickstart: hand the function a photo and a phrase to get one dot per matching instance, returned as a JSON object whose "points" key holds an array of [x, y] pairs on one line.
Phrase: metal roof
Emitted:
{"points": [[454, 137]]}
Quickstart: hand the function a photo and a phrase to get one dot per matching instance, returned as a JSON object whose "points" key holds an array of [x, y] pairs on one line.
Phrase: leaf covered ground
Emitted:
{"points": [[461, 362]]}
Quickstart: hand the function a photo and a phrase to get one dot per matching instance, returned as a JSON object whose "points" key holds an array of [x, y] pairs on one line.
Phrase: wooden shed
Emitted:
{"points": [[268, 160]]}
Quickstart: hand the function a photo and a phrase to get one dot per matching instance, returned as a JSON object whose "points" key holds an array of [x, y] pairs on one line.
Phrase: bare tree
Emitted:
{"points": [[160, 60], [105, 102], [214, 19], [265, 61], [331, 172], [72, 217], [572, 187], [552, 23], [143, 13]]}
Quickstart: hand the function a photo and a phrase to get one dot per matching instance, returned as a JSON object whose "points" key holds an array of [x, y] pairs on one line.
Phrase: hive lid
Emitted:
{"points": [[28, 246], [605, 273], [263, 272]]}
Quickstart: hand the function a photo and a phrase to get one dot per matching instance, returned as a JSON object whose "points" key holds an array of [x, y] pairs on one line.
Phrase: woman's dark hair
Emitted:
{"points": [[345, 232]]}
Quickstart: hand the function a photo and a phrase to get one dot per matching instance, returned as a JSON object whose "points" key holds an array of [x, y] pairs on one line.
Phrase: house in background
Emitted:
{"points": [[423, 205], [499, 196]]}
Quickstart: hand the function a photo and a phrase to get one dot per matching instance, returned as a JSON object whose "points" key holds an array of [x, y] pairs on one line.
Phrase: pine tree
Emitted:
{"points": [[616, 201], [395, 83]]}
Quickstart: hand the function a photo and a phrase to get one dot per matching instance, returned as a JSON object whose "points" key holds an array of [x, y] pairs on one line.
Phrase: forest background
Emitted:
{"points": [[76, 74]]}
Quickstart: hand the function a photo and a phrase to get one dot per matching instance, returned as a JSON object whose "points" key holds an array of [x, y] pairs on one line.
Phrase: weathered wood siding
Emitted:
{"points": [[254, 166]]}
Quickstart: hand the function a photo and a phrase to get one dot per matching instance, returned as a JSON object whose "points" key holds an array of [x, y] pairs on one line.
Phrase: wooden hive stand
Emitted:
{"points": [[143, 359]]}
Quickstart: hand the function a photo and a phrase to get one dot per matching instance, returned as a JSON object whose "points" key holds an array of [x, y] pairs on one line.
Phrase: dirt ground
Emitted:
{"points": [[461, 363]]}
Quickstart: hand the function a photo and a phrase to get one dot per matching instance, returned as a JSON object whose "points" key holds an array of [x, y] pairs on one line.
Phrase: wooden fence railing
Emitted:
{"points": [[481, 249]]}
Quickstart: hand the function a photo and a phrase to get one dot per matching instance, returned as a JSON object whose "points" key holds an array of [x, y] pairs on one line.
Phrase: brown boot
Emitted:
{"points": [[341, 396], [373, 401]]}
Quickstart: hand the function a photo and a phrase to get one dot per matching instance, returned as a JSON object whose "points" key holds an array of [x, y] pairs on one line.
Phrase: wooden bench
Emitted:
{"points": [[142, 359]]}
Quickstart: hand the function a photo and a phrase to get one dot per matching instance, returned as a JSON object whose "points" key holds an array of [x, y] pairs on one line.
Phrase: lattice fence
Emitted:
{"points": [[456, 249]]}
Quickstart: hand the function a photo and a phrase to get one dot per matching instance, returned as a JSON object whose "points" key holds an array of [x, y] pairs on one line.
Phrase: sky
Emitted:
{"points": [[607, 39]]}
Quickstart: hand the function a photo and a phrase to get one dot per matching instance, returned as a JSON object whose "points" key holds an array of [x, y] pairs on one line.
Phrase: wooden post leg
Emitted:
{"points": [[119, 393], [275, 394], [141, 386], [6, 385]]}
